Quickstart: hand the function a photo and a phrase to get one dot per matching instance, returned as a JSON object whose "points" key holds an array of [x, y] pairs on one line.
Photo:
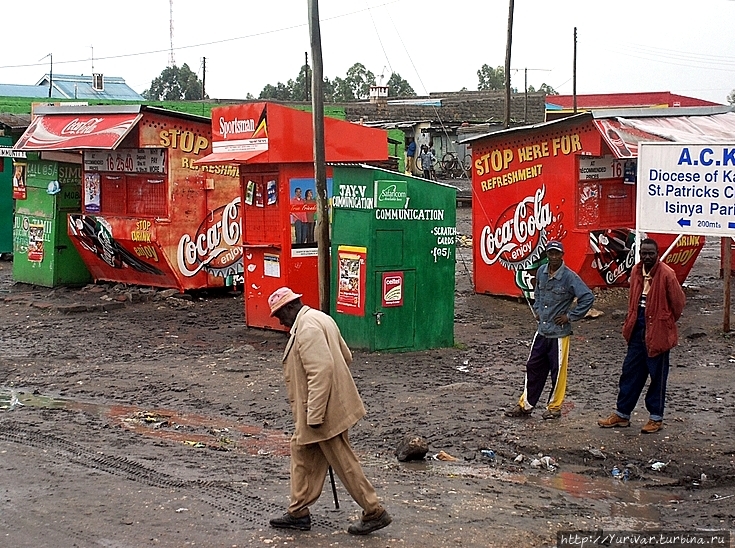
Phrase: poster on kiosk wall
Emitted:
{"points": [[351, 280]]}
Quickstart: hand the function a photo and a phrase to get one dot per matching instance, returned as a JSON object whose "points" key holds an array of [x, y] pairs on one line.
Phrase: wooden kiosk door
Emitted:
{"points": [[263, 258]]}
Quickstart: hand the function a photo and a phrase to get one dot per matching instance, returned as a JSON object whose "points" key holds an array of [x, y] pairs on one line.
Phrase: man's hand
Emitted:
{"points": [[561, 319]]}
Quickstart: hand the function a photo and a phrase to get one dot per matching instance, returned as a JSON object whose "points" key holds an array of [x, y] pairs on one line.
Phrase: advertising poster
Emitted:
{"points": [[303, 209], [19, 181], [351, 280], [392, 293], [35, 242], [92, 192]]}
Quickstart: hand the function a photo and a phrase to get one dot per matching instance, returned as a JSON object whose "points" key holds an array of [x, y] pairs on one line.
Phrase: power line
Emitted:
{"points": [[212, 43]]}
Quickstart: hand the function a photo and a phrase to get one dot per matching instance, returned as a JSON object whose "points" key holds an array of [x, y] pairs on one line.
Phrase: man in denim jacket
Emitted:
{"points": [[556, 288]]}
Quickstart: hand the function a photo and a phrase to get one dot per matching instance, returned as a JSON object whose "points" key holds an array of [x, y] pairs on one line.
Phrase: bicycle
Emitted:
{"points": [[454, 168]]}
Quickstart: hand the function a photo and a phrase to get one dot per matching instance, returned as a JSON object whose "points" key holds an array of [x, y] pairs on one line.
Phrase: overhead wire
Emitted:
{"points": [[202, 44]]}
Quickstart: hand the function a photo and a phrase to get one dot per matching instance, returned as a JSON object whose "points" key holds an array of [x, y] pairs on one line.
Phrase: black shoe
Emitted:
{"points": [[367, 527], [287, 521]]}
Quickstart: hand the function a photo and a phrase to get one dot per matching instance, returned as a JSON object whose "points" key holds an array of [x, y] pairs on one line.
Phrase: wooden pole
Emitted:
{"points": [[525, 85], [574, 72], [320, 168], [306, 74], [726, 277], [507, 63]]}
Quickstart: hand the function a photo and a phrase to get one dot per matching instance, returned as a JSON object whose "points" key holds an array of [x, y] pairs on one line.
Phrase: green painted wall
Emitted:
{"points": [[60, 263], [420, 243]]}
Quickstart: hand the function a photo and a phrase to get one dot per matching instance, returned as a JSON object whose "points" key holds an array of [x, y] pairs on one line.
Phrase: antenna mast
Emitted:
{"points": [[171, 61]]}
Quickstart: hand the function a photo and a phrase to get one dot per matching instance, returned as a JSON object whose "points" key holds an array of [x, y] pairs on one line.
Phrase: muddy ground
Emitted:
{"points": [[149, 420]]}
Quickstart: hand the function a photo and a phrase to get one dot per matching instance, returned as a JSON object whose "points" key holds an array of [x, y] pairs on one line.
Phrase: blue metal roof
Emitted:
{"points": [[80, 87], [66, 86], [19, 90]]}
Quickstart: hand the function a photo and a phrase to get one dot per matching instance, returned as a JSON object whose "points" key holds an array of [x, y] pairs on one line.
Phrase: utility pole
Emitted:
{"points": [[525, 87], [507, 64], [306, 75], [204, 77], [320, 168], [574, 72], [50, 73]]}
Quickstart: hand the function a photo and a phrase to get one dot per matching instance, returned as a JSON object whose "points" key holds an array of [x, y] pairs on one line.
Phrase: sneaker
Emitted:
{"points": [[518, 411], [612, 421], [652, 426], [551, 414], [287, 521], [367, 527]]}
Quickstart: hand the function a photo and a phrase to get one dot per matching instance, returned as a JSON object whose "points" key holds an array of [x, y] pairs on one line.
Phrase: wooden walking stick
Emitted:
{"points": [[334, 488]]}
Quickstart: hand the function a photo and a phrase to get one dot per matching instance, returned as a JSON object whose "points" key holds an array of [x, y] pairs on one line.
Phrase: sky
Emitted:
{"points": [[680, 46]]}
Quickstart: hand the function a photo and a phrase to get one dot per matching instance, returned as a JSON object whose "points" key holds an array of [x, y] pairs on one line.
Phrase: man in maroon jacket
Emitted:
{"points": [[655, 303]]}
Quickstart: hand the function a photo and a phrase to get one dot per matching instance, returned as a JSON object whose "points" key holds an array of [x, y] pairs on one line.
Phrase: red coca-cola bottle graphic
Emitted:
{"points": [[618, 142], [614, 256]]}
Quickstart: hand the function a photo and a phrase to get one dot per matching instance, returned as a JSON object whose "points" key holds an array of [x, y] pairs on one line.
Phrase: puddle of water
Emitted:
{"points": [[198, 431], [626, 499]]}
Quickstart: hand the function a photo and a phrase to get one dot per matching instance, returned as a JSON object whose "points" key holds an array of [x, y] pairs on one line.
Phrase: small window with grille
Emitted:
{"points": [[98, 82], [135, 195]]}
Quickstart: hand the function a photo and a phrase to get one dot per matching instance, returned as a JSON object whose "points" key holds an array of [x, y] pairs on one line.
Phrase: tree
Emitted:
{"points": [[398, 87], [175, 84], [490, 79], [279, 92], [547, 89], [731, 97], [301, 87], [358, 80]]}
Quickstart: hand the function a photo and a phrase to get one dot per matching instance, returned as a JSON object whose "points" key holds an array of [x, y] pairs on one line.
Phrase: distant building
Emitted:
{"points": [[559, 106], [65, 86]]}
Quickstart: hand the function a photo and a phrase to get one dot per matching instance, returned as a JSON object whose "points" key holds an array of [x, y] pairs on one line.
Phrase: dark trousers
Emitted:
{"points": [[637, 367], [548, 356]]}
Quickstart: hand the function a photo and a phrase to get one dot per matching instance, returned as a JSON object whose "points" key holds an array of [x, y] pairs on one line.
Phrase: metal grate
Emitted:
{"points": [[146, 196], [112, 194]]}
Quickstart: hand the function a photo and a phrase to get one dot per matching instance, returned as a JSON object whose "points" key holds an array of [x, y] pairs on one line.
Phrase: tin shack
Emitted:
{"points": [[149, 215], [574, 180], [272, 146]]}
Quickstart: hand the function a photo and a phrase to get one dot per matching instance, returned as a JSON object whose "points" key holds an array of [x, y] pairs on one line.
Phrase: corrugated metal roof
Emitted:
{"points": [[80, 87], [694, 125], [16, 122]]}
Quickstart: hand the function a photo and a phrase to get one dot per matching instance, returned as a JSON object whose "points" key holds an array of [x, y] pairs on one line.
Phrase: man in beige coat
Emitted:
{"points": [[325, 404]]}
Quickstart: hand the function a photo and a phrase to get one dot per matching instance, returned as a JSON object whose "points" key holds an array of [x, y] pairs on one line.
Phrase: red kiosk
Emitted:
{"points": [[150, 216], [573, 180], [273, 147]]}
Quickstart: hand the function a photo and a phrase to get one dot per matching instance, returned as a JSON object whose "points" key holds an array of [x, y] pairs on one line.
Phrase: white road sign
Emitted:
{"points": [[686, 189]]}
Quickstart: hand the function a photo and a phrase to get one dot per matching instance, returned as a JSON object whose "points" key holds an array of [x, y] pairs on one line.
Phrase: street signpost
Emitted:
{"points": [[688, 189]]}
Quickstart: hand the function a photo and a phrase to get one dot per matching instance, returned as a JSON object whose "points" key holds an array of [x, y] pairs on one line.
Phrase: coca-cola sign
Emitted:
{"points": [[215, 247], [81, 127], [520, 233], [65, 131]]}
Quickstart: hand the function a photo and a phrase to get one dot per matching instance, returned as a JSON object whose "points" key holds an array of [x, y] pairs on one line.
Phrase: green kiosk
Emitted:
{"points": [[42, 252], [393, 259], [6, 195]]}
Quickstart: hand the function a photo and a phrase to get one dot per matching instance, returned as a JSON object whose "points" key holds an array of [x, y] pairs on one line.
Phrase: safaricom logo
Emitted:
{"points": [[391, 194], [235, 126]]}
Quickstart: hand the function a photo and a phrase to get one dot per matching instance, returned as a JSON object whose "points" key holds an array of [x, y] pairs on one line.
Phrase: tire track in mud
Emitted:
{"points": [[252, 510]]}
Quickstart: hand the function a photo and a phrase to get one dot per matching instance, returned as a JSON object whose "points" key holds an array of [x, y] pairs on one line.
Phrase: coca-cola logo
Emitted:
{"points": [[78, 127], [215, 246], [519, 236]]}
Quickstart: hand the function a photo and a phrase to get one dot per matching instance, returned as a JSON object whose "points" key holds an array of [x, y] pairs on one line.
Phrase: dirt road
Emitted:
{"points": [[129, 419]]}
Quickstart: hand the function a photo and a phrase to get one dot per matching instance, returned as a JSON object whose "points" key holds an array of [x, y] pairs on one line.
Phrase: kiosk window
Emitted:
{"points": [[112, 194], [139, 195], [146, 196], [605, 204]]}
